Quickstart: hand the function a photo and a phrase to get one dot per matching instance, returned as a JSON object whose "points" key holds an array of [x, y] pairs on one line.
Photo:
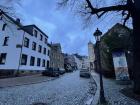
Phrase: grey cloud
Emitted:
{"points": [[60, 25]]}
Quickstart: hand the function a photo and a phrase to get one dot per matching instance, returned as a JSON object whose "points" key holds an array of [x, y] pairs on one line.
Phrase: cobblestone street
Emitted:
{"points": [[69, 89], [114, 96], [112, 92]]}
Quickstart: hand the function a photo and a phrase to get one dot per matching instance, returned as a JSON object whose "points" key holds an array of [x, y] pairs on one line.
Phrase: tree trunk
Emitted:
{"points": [[136, 46]]}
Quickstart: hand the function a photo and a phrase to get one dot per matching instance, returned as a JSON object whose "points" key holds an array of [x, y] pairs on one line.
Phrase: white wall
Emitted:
{"points": [[36, 54], [15, 37], [91, 55], [79, 62], [85, 62], [13, 53]]}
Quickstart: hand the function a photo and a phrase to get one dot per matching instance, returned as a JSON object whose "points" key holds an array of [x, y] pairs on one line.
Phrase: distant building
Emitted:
{"points": [[78, 60], [56, 56], [82, 61], [22, 48], [91, 55], [69, 61], [85, 62]]}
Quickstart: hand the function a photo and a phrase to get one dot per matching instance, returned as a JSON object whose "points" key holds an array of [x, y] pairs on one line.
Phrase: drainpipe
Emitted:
{"points": [[17, 72]]}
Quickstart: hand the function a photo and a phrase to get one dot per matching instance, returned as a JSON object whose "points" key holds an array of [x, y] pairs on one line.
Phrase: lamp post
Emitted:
{"points": [[97, 36]]}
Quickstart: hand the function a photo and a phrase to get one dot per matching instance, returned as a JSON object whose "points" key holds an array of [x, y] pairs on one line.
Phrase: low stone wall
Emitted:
{"points": [[12, 73], [6, 73]]}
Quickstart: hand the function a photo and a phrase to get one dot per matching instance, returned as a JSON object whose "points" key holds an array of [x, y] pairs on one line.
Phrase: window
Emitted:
{"points": [[41, 37], [38, 61], [48, 64], [39, 48], [33, 46], [24, 59], [43, 63], [3, 58], [48, 52], [46, 40], [6, 41], [26, 42], [32, 61], [44, 51], [3, 27], [35, 33]]}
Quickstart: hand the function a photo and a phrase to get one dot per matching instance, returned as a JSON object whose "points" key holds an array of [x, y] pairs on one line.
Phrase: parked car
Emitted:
{"points": [[61, 71], [51, 72], [69, 70], [84, 73]]}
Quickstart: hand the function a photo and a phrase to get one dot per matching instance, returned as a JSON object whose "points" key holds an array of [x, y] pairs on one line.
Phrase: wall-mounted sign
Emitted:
{"points": [[120, 65]]}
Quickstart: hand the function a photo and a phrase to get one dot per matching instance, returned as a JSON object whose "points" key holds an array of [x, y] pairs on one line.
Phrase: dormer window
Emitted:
{"points": [[35, 33], [6, 41], [46, 40], [3, 27], [41, 37]]}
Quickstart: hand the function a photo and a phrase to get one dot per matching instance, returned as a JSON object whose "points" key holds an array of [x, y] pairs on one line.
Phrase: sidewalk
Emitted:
{"points": [[25, 80], [112, 92]]}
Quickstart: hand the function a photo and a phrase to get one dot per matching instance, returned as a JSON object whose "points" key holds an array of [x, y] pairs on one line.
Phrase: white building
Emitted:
{"points": [[78, 60], [22, 48], [85, 62], [81, 61], [91, 55]]}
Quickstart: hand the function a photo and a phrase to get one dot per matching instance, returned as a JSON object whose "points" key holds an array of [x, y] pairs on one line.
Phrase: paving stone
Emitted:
{"points": [[69, 89], [113, 94]]}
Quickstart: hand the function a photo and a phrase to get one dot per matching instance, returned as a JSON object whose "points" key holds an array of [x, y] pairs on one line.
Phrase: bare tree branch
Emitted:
{"points": [[127, 18], [100, 15], [111, 8], [87, 9]]}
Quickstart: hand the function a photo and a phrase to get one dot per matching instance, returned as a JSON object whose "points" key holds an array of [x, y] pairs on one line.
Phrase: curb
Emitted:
{"points": [[97, 94]]}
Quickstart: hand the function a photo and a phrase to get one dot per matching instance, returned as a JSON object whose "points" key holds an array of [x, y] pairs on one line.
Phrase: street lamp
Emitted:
{"points": [[97, 36]]}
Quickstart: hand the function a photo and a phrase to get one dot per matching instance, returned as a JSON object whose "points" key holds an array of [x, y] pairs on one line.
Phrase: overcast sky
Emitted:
{"points": [[62, 26]]}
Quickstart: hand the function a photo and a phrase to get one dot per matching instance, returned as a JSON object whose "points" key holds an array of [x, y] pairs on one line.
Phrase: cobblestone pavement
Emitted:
{"points": [[113, 94], [69, 89]]}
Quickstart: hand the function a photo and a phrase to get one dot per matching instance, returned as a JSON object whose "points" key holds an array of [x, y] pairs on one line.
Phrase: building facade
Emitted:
{"points": [[78, 60], [81, 61], [117, 38], [56, 56], [85, 62], [70, 63], [91, 55], [22, 48]]}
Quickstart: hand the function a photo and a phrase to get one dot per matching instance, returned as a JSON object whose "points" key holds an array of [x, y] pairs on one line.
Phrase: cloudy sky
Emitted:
{"points": [[62, 26]]}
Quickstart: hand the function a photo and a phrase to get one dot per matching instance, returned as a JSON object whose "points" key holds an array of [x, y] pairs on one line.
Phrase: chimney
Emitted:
{"points": [[18, 20]]}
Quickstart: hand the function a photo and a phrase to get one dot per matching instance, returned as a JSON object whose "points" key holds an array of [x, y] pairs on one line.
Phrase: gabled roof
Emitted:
{"points": [[33, 25], [55, 44], [13, 20], [19, 24], [114, 27]]}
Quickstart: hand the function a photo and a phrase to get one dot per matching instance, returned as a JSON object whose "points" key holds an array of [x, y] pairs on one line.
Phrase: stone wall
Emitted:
{"points": [[118, 37]]}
